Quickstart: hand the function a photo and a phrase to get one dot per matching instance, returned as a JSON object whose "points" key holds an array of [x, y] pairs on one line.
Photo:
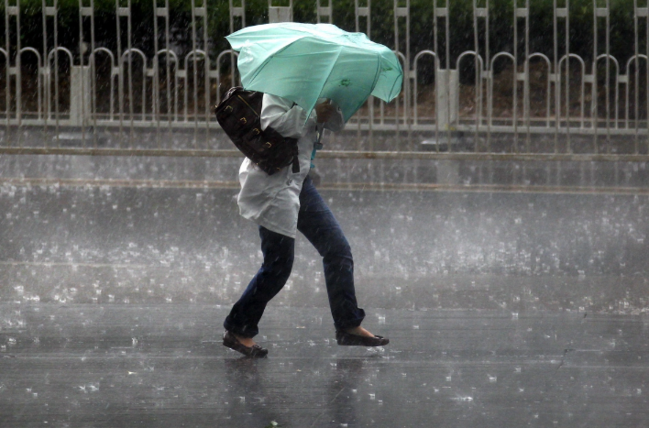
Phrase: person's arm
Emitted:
{"points": [[283, 116]]}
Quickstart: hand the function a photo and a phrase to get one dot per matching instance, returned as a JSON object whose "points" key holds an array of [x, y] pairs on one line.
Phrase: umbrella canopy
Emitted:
{"points": [[304, 62]]}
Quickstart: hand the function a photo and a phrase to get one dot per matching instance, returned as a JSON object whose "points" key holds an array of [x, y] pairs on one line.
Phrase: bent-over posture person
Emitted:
{"points": [[281, 204]]}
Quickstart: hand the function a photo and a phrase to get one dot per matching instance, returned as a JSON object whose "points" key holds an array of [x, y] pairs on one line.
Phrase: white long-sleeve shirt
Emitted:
{"points": [[273, 201]]}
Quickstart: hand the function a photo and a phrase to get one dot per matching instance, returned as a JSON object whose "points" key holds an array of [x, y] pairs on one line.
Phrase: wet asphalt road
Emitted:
{"points": [[505, 309], [163, 366]]}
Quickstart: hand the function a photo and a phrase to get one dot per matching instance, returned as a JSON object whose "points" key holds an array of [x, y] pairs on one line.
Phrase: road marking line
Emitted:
{"points": [[352, 186]]}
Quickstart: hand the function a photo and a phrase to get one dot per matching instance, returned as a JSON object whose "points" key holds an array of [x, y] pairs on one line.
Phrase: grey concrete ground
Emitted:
{"points": [[504, 308]]}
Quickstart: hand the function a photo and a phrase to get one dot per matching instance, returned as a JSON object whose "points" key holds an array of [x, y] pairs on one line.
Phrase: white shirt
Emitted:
{"points": [[273, 201]]}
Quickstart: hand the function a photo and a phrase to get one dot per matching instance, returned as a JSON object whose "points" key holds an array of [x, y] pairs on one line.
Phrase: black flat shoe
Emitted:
{"points": [[254, 351], [348, 339]]}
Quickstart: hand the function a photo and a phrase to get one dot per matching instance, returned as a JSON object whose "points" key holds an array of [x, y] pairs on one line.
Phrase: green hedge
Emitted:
{"points": [[462, 38]]}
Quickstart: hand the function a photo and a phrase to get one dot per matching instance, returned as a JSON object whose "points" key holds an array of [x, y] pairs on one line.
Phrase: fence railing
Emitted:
{"points": [[478, 101]]}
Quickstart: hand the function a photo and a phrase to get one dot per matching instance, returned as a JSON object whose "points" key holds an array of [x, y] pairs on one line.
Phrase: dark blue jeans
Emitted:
{"points": [[320, 227]]}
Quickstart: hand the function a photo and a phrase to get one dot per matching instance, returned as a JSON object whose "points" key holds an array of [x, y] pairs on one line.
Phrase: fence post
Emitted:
{"points": [[447, 97], [237, 11], [280, 13], [447, 100], [365, 11], [324, 11], [80, 99]]}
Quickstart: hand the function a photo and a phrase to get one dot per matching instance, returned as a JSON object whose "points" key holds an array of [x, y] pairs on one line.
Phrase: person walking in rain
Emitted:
{"points": [[319, 76], [282, 204]]}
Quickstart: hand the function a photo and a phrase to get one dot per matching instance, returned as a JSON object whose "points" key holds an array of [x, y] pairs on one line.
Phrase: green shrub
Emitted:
{"points": [[422, 37]]}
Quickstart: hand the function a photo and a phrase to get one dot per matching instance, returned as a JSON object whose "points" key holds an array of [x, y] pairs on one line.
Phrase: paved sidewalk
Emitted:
{"points": [[160, 366]]}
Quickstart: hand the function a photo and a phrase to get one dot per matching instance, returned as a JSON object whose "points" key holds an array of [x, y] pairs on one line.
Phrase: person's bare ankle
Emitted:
{"points": [[359, 331], [245, 341]]}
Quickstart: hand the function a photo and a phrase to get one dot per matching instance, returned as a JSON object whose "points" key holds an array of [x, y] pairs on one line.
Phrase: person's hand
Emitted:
{"points": [[325, 111]]}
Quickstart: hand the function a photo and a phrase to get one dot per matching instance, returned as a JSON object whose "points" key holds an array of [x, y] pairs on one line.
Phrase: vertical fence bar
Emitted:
{"points": [[647, 73], [607, 14], [447, 35], [521, 13], [7, 74], [626, 80], [129, 52], [564, 13], [82, 51], [18, 74], [437, 13], [636, 17], [202, 11], [195, 72], [452, 116], [280, 13], [594, 110], [57, 117], [526, 85], [43, 69], [618, 76], [235, 11], [239, 12], [403, 12], [183, 75], [324, 11], [641, 13], [515, 75], [156, 70], [481, 12], [119, 13], [7, 54], [601, 13], [120, 88], [158, 12], [636, 50], [93, 73], [406, 77], [490, 72], [365, 11], [567, 41], [13, 71], [555, 75]]}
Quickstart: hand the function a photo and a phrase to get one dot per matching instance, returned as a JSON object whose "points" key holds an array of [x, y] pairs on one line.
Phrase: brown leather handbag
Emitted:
{"points": [[238, 115]]}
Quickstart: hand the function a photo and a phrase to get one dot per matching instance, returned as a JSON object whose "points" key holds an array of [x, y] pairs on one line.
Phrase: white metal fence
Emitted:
{"points": [[594, 107]]}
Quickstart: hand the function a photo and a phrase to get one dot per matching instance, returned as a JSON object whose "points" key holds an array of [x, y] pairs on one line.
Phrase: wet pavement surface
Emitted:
{"points": [[164, 366], [129, 242], [504, 308]]}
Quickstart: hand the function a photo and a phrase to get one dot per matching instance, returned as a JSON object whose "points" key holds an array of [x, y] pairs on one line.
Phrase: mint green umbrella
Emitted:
{"points": [[304, 62]]}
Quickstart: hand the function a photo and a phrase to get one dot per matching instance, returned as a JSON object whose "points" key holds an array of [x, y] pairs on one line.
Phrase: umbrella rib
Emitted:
{"points": [[392, 89], [377, 75], [333, 63]]}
